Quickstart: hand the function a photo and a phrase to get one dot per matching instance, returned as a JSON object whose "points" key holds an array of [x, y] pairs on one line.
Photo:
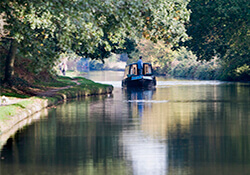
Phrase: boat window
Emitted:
{"points": [[133, 69], [126, 72], [147, 69]]}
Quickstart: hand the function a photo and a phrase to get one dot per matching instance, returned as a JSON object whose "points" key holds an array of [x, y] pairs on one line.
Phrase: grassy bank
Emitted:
{"points": [[21, 106]]}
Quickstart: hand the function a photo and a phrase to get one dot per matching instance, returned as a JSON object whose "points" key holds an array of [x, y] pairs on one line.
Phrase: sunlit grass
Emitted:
{"points": [[10, 110], [7, 111], [60, 81]]}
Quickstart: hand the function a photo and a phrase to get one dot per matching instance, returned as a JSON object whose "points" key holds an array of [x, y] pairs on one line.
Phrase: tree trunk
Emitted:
{"points": [[9, 64]]}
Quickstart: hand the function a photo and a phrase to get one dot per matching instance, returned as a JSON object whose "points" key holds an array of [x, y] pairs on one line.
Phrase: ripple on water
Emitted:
{"points": [[146, 101]]}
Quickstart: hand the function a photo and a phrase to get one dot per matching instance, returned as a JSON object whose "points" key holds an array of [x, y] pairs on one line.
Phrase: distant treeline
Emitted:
{"points": [[182, 62]]}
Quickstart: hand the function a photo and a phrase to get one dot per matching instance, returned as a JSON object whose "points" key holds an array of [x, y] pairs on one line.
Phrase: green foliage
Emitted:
{"points": [[177, 63], [156, 53], [243, 71], [221, 28], [93, 29], [95, 65], [193, 69], [185, 65]]}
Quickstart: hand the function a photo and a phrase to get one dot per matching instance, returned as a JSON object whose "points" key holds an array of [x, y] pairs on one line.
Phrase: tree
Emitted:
{"points": [[41, 30], [220, 28]]}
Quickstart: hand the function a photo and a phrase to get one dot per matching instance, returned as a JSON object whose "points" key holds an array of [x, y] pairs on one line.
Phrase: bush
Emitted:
{"points": [[242, 73], [95, 65]]}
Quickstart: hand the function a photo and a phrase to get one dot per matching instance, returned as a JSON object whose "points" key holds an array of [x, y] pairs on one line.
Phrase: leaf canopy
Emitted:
{"points": [[94, 29]]}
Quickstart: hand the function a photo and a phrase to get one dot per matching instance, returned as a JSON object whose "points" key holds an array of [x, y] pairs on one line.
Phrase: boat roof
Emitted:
{"points": [[136, 63]]}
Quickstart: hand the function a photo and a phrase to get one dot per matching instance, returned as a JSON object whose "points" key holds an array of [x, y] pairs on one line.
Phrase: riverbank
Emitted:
{"points": [[14, 113]]}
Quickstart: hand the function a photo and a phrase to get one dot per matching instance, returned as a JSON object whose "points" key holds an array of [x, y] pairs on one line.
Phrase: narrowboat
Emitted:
{"points": [[132, 78]]}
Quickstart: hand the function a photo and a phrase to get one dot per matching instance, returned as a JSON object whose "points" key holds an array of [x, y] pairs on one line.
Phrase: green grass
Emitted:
{"points": [[60, 81], [7, 111], [11, 94], [86, 87], [12, 109]]}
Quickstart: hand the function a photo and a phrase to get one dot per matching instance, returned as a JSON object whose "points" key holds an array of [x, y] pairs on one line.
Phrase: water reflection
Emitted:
{"points": [[178, 128], [27, 121], [147, 155], [75, 139], [139, 99]]}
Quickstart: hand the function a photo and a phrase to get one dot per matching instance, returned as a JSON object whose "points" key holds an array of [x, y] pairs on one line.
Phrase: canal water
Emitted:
{"points": [[182, 127]]}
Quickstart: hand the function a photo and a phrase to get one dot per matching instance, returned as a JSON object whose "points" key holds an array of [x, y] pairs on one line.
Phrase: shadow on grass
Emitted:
{"points": [[18, 105], [15, 95]]}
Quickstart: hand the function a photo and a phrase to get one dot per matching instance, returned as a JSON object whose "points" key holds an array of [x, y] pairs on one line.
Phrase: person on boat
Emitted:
{"points": [[140, 65]]}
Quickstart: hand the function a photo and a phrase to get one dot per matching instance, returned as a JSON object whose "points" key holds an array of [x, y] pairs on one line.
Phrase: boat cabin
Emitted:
{"points": [[132, 69]]}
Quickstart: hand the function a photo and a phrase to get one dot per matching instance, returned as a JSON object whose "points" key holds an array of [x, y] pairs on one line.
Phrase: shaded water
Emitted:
{"points": [[181, 127]]}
